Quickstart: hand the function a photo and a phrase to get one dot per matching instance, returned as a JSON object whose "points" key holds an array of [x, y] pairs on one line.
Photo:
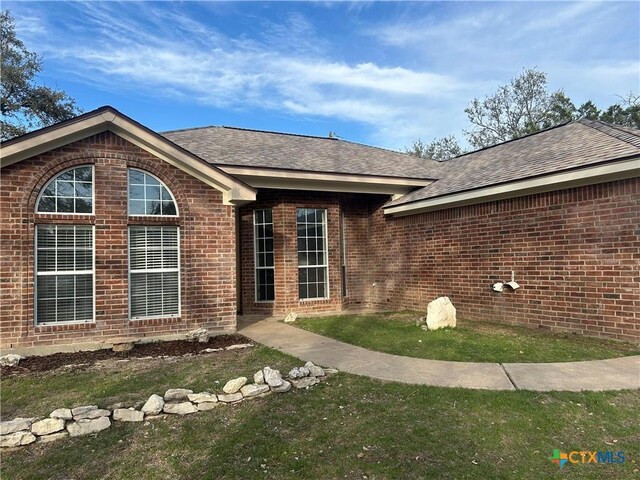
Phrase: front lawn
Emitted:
{"points": [[471, 341], [346, 427]]}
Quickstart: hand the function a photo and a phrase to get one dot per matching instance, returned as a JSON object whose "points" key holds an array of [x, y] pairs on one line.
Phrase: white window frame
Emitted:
{"points": [[255, 257], [93, 192], [173, 198], [64, 272], [156, 270], [325, 236]]}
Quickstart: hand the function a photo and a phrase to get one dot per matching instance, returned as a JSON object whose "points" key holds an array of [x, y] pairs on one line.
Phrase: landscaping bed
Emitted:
{"points": [[345, 427], [154, 349], [471, 341]]}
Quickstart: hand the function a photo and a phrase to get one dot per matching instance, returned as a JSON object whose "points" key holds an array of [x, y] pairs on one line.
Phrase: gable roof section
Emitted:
{"points": [[237, 147], [571, 154], [108, 118]]}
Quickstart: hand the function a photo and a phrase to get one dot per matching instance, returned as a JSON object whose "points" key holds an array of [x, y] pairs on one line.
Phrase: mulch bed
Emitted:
{"points": [[174, 348]]}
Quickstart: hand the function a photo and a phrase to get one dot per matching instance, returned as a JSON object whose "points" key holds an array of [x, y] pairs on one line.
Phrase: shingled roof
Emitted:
{"points": [[228, 146], [562, 148]]}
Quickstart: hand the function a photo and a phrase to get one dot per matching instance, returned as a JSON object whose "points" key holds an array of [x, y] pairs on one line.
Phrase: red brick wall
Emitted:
{"points": [[284, 205], [207, 236], [575, 253]]}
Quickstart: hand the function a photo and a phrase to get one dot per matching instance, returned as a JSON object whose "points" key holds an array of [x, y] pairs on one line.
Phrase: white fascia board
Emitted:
{"points": [[620, 170], [54, 139], [324, 182], [234, 192]]}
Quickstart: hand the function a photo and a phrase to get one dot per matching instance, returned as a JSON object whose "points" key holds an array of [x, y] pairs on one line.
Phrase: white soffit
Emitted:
{"points": [[324, 182]]}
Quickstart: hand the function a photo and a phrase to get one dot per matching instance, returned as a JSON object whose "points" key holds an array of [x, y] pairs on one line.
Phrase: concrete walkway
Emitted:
{"points": [[613, 374]]}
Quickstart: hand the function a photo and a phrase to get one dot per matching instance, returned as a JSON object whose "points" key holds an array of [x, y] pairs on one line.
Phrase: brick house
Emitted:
{"points": [[113, 232]]}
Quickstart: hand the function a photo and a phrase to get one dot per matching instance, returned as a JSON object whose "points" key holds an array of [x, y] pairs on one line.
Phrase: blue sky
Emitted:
{"points": [[374, 72]]}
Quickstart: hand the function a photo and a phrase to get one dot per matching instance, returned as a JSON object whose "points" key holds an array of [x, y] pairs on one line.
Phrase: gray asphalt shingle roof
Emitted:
{"points": [[565, 147], [253, 148]]}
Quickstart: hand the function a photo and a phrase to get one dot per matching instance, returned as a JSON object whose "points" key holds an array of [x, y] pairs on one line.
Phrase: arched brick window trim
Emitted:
{"points": [[70, 161]]}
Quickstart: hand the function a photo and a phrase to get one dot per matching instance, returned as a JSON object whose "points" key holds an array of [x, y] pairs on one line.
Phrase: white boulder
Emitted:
{"points": [[441, 313], [299, 372], [47, 426], [305, 382], [200, 334], [17, 439], [128, 415], [82, 410], [232, 386], [154, 405], [176, 394], [63, 413], [230, 397], [204, 397], [88, 426], [10, 360], [183, 408], [272, 377], [314, 370], [284, 388], [15, 425], [91, 414], [253, 390]]}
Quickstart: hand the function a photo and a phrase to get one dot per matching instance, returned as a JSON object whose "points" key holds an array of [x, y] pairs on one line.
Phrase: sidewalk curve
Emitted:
{"points": [[612, 374]]}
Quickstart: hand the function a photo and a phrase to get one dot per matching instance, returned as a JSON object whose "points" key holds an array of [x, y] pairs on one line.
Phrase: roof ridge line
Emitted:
{"points": [[318, 137], [272, 132], [300, 135], [511, 140], [612, 126], [189, 129]]}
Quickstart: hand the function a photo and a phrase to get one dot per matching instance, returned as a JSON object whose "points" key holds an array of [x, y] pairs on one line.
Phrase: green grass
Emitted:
{"points": [[346, 427], [471, 341]]}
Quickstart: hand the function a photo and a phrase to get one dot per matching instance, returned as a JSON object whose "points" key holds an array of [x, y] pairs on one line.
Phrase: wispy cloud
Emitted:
{"points": [[421, 68], [287, 68]]}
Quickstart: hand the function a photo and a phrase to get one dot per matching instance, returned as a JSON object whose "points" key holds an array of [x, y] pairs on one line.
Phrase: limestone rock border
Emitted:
{"points": [[89, 419]]}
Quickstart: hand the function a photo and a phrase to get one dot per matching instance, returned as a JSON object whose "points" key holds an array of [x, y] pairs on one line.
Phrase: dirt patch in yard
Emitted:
{"points": [[174, 348]]}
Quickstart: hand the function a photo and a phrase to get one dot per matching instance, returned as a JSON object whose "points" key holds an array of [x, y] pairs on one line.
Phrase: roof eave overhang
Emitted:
{"points": [[611, 171], [325, 182], [234, 191]]}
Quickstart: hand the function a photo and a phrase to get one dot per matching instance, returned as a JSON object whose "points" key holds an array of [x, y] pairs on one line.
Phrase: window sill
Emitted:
{"points": [[319, 299], [152, 220], [63, 326], [41, 218], [155, 320]]}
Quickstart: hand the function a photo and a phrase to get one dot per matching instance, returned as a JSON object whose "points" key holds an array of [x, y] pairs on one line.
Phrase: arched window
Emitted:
{"points": [[154, 250], [64, 266], [149, 196], [70, 191]]}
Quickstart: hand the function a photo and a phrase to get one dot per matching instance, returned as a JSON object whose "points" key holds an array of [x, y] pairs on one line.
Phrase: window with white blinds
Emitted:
{"points": [[70, 191], [154, 271], [64, 274]]}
